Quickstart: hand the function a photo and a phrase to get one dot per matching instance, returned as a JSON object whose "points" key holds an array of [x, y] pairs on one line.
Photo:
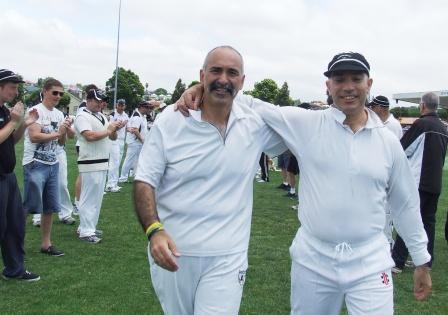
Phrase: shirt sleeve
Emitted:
{"points": [[273, 144], [152, 161], [82, 124], [403, 199], [294, 125], [134, 122]]}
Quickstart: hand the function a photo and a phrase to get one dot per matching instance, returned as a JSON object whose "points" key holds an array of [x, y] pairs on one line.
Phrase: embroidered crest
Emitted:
{"points": [[385, 278]]}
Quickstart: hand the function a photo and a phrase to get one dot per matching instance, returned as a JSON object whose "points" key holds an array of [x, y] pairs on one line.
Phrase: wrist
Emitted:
{"points": [[153, 229]]}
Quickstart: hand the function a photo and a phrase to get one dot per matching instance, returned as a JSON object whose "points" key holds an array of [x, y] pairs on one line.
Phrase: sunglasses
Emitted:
{"points": [[56, 93]]}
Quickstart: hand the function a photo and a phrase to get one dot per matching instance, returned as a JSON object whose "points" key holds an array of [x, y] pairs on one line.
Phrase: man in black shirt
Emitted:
{"points": [[425, 145], [12, 215]]}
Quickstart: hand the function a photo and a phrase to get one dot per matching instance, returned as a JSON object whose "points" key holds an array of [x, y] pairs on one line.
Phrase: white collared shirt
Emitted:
{"points": [[121, 133], [346, 178], [203, 181], [393, 125]]}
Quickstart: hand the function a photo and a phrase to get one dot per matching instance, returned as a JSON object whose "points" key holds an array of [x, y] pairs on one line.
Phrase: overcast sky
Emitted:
{"points": [[405, 41]]}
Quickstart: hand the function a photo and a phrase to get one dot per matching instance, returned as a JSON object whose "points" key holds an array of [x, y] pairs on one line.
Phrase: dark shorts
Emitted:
{"points": [[41, 187], [293, 166], [282, 160]]}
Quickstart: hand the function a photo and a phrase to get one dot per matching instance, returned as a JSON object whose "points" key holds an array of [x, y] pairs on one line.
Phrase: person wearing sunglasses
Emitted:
{"points": [[43, 140]]}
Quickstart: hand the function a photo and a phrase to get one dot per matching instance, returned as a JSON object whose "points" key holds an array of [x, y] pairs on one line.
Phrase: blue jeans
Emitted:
{"points": [[41, 188]]}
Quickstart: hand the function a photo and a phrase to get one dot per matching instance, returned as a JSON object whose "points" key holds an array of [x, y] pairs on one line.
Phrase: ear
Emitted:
{"points": [[369, 83], [201, 75], [242, 82]]}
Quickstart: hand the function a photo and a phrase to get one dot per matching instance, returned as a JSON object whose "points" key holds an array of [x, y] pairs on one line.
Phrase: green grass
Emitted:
{"points": [[113, 277]]}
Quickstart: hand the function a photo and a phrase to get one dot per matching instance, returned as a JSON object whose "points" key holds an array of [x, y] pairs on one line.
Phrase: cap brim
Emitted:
{"points": [[12, 80], [345, 67]]}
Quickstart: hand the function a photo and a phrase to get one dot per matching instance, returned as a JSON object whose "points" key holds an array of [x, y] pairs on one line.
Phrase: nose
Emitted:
{"points": [[223, 78]]}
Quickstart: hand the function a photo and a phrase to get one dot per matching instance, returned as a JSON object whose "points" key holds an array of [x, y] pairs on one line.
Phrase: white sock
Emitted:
{"points": [[292, 190], [285, 183]]}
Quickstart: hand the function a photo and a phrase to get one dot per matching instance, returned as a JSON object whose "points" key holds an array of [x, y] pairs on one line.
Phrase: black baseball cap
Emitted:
{"points": [[349, 61], [97, 94], [9, 76], [121, 101], [380, 100]]}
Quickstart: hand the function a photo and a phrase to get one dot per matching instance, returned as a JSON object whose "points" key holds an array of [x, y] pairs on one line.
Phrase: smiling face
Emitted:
{"points": [[52, 95], [349, 90], [222, 76]]}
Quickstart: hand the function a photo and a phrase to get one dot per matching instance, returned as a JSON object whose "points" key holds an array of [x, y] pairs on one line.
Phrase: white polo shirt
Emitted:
{"points": [[204, 183], [346, 178], [393, 125]]}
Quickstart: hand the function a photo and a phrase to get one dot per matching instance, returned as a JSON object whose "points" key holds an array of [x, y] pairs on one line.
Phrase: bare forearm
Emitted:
{"points": [[95, 135], [40, 137], [145, 204]]}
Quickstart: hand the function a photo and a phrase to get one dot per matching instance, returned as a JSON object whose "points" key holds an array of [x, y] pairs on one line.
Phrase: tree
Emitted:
{"points": [[129, 88], [178, 90], [160, 91], [283, 98], [194, 82], [266, 90]]}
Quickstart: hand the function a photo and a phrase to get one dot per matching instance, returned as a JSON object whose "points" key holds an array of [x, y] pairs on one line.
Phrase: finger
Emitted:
{"points": [[168, 261], [172, 247]]}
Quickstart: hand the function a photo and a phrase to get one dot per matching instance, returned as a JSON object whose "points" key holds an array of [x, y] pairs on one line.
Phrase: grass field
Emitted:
{"points": [[113, 278]]}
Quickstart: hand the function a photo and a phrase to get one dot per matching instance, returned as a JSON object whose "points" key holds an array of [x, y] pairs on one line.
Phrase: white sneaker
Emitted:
{"points": [[114, 189], [36, 223], [396, 270]]}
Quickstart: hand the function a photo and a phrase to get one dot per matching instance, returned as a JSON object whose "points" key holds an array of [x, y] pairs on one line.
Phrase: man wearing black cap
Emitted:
{"points": [[380, 105], [94, 132], [350, 165], [12, 215], [137, 128]]}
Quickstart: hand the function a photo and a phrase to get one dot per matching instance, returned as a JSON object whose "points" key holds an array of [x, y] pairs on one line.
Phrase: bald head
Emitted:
{"points": [[211, 52]]}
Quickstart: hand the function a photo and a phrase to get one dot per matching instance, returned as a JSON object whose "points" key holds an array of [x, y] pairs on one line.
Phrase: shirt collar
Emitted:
{"points": [[433, 114], [236, 113], [373, 121]]}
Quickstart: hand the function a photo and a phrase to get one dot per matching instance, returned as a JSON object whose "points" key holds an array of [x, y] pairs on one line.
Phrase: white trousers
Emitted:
{"points": [[66, 203], [202, 285], [389, 228], [322, 277], [90, 201], [130, 162], [116, 155]]}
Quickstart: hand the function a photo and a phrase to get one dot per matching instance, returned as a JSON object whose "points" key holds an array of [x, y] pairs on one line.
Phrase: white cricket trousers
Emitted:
{"points": [[66, 203], [130, 162], [323, 276], [116, 155], [90, 201], [202, 285]]}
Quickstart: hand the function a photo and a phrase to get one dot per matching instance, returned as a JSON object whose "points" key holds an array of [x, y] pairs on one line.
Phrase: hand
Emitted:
{"points": [[422, 283], [190, 99], [31, 117], [17, 113], [122, 124], [163, 250], [113, 126]]}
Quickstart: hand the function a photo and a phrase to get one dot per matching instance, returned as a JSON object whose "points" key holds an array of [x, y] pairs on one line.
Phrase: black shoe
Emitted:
{"points": [[52, 251], [291, 195], [26, 277], [283, 186]]}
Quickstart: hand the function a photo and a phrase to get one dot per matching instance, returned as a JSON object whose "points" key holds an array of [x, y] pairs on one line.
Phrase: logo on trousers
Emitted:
{"points": [[242, 277], [385, 278]]}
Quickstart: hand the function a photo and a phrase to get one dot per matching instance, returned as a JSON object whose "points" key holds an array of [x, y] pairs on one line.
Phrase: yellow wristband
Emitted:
{"points": [[152, 227]]}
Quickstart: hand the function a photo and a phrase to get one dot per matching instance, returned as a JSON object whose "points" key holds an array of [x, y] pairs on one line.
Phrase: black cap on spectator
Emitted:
{"points": [[97, 94], [380, 100], [9, 76]]}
